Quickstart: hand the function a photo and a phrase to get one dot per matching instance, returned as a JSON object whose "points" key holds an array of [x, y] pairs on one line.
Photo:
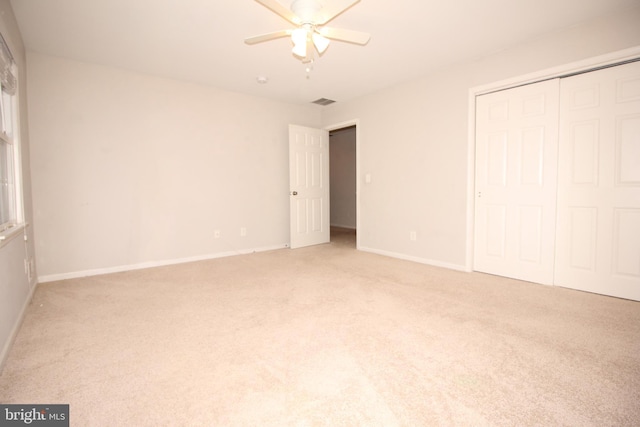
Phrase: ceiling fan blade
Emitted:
{"points": [[335, 8], [280, 10], [349, 36], [266, 37]]}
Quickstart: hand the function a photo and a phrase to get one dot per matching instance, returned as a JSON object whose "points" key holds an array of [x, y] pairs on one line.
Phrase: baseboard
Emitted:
{"points": [[151, 264], [346, 227], [419, 260], [16, 327]]}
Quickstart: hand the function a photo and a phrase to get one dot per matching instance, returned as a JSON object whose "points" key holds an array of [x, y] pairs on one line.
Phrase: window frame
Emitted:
{"points": [[11, 164]]}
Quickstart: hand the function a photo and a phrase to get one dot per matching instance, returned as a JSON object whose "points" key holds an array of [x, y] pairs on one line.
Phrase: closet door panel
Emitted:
{"points": [[598, 225], [516, 167]]}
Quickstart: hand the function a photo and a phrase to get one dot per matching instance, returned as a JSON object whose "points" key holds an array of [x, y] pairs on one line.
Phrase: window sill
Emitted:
{"points": [[11, 233]]}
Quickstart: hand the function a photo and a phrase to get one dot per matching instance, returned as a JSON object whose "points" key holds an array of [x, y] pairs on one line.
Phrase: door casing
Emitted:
{"points": [[340, 125]]}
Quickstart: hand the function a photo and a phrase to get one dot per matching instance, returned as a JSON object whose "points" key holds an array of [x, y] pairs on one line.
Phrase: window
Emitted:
{"points": [[10, 197]]}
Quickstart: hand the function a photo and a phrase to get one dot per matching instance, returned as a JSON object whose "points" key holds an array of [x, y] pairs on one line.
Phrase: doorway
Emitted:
{"points": [[343, 185]]}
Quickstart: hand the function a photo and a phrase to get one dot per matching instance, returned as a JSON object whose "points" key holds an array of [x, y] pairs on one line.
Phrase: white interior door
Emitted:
{"points": [[598, 236], [308, 186], [516, 171]]}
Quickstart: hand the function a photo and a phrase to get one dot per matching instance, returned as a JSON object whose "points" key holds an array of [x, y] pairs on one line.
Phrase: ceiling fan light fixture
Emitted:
{"points": [[300, 50], [310, 16], [299, 36], [299, 39], [321, 43]]}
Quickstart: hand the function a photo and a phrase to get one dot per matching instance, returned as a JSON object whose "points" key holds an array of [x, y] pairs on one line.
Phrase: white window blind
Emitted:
{"points": [[8, 149], [7, 66]]}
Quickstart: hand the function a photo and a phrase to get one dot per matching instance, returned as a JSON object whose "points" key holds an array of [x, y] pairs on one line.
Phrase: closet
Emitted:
{"points": [[558, 182]]}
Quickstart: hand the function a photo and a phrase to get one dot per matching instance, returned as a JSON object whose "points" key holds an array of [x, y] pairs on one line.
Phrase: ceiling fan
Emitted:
{"points": [[310, 16]]}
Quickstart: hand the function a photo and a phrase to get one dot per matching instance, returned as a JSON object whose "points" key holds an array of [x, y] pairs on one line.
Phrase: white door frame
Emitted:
{"points": [[550, 73], [356, 123]]}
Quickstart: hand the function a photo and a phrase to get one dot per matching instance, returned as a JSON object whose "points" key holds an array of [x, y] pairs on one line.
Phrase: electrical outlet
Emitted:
{"points": [[413, 236], [29, 268], [216, 234], [243, 231]]}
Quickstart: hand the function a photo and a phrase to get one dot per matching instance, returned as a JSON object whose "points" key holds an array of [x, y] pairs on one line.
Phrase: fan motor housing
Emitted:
{"points": [[306, 10]]}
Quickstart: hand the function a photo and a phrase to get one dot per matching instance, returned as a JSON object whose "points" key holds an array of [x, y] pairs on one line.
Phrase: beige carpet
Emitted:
{"points": [[325, 336]]}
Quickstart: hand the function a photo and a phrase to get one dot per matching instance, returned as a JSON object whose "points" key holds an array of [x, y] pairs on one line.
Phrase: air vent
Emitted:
{"points": [[323, 101]]}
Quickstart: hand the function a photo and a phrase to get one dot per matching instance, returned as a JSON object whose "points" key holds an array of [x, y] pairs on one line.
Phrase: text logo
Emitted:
{"points": [[34, 415]]}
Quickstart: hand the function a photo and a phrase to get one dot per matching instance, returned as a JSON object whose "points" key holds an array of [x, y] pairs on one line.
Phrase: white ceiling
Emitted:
{"points": [[202, 41]]}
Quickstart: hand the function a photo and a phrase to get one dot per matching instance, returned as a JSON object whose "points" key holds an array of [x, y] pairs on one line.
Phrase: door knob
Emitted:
{"points": [[295, 193]]}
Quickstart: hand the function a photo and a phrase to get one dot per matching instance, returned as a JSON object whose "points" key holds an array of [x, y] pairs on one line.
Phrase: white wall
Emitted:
{"points": [[414, 141], [342, 164], [131, 170], [15, 288]]}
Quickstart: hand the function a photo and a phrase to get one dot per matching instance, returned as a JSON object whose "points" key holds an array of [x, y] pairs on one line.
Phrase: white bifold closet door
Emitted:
{"points": [[598, 230], [516, 181]]}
